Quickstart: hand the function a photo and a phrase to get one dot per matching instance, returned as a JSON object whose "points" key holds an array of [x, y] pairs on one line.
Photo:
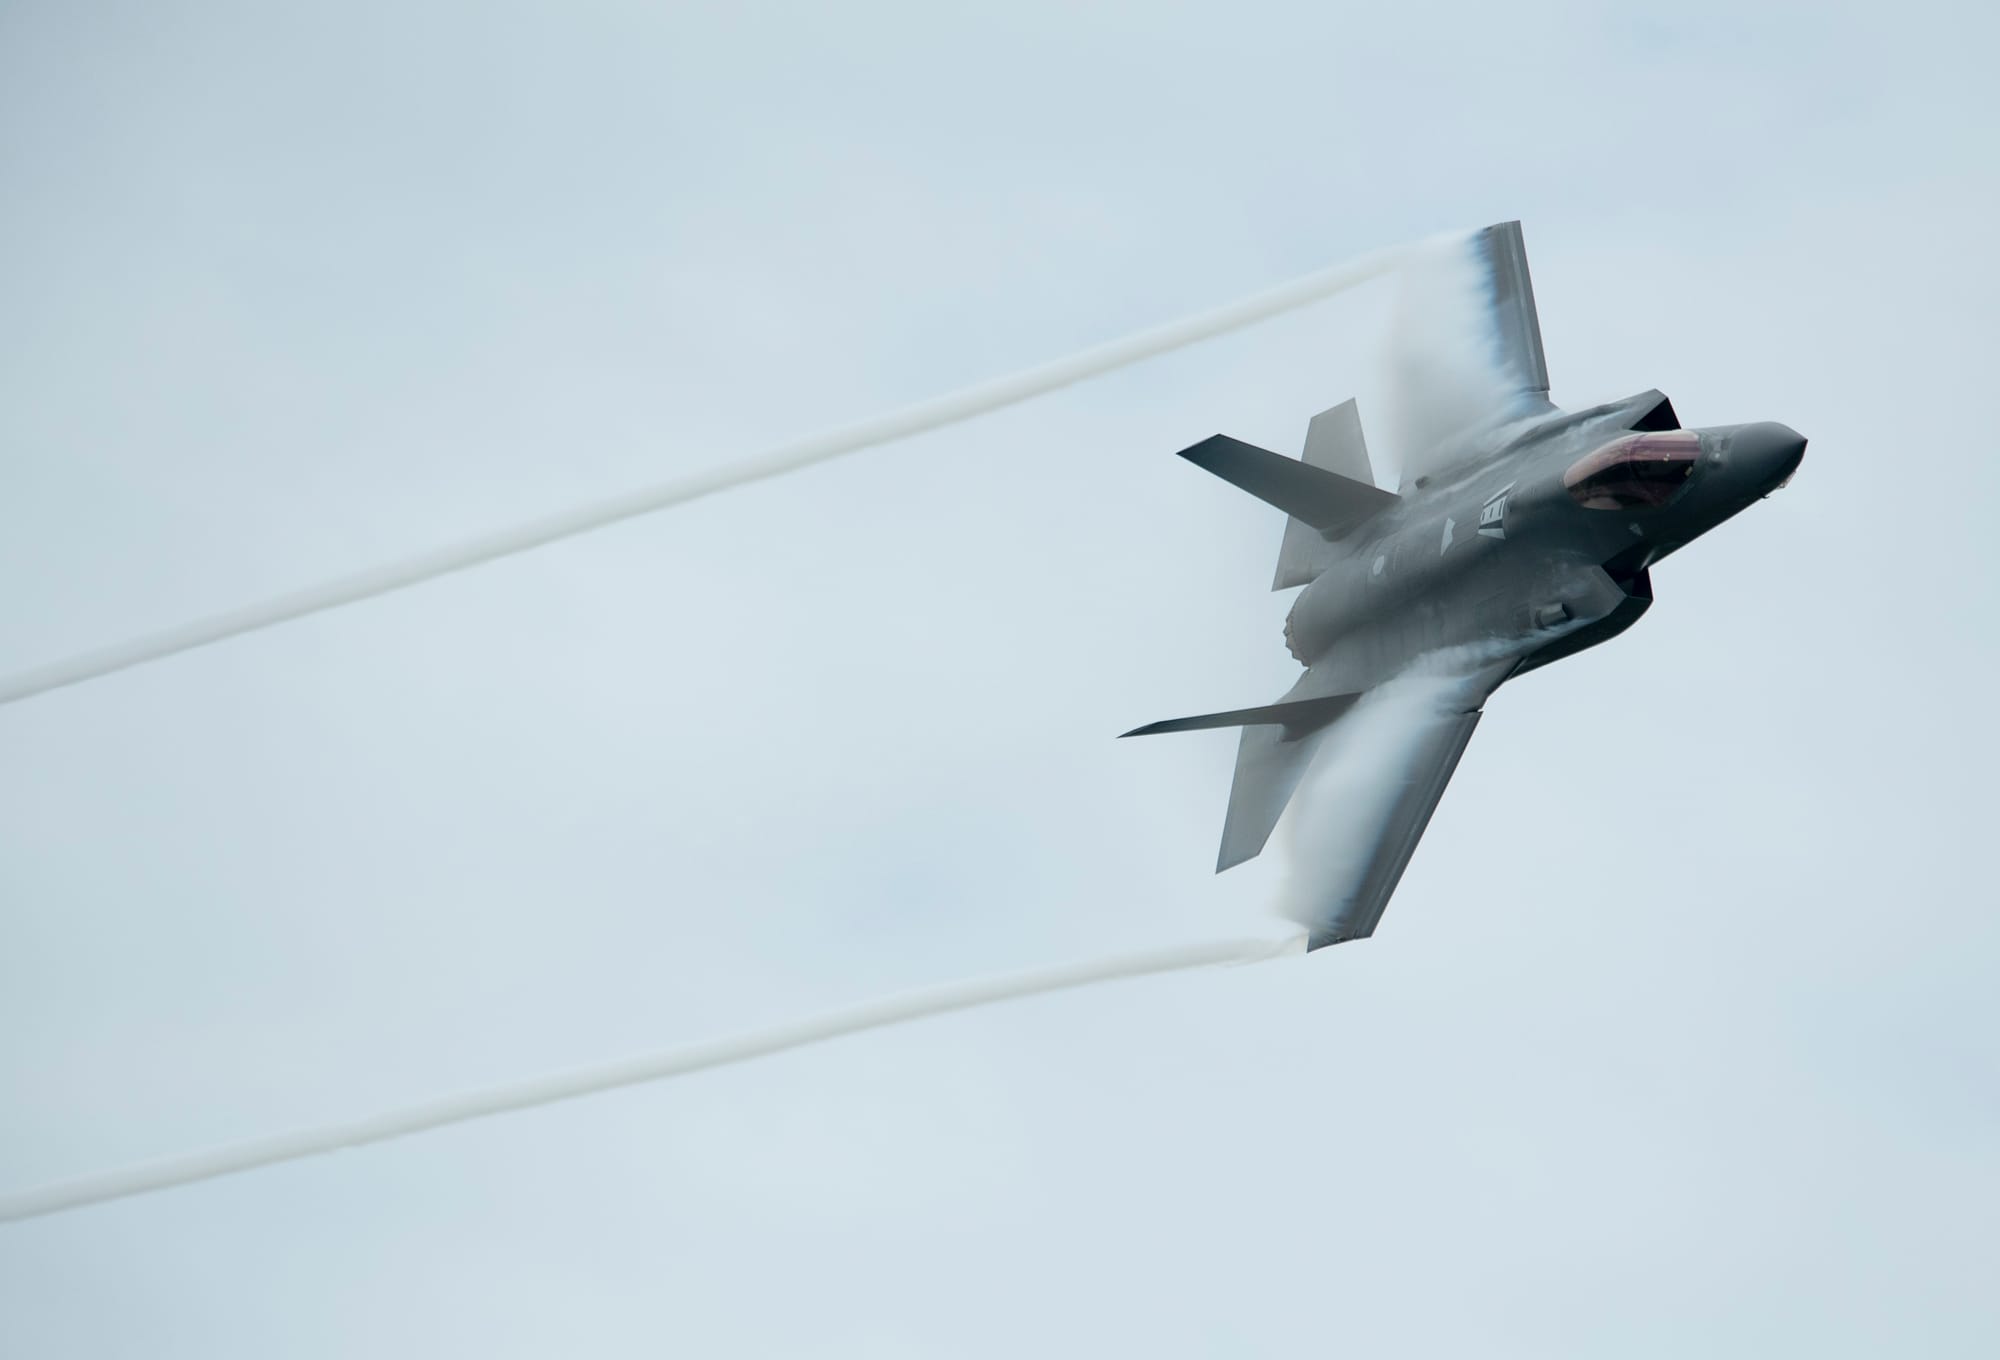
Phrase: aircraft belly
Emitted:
{"points": [[1529, 603]]}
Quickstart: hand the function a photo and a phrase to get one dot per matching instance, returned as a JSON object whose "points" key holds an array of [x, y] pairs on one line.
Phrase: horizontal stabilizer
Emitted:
{"points": [[1297, 717], [1325, 500]]}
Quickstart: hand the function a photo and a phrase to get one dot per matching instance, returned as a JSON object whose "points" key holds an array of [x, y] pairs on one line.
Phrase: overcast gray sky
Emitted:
{"points": [[1681, 1035]]}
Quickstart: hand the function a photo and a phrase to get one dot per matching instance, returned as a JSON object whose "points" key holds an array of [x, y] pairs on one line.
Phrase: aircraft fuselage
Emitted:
{"points": [[1502, 553]]}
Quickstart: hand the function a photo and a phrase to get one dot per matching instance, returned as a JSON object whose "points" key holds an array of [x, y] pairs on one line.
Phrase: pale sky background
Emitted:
{"points": [[1682, 1035]]}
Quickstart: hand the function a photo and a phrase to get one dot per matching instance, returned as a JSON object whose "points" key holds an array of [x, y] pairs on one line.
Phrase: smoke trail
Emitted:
{"points": [[910, 420], [673, 1062]]}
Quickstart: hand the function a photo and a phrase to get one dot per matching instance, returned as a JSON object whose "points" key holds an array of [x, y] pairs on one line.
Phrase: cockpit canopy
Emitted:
{"points": [[1638, 472]]}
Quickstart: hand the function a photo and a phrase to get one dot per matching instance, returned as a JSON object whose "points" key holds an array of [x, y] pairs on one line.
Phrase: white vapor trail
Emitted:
{"points": [[520, 1095], [901, 424]]}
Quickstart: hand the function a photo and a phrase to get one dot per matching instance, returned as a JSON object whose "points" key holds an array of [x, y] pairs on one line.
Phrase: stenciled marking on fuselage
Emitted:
{"points": [[1493, 514]]}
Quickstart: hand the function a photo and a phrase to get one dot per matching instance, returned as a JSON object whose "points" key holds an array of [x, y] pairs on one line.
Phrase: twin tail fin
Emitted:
{"points": [[1327, 492]]}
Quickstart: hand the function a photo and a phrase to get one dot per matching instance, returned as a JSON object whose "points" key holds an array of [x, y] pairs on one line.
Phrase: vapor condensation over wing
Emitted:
{"points": [[1445, 379], [673, 1062], [901, 424], [1368, 761]]}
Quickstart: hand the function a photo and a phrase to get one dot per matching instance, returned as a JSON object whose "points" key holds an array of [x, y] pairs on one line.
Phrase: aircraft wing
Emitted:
{"points": [[1510, 310], [1464, 348], [1368, 796]]}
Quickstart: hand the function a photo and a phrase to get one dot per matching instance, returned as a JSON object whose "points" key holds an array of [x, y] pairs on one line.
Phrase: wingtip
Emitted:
{"points": [[1229, 856], [1324, 936], [1200, 449]]}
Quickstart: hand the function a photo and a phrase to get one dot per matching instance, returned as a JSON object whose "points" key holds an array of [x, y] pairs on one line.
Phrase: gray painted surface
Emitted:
{"points": [[1686, 1044], [1495, 557], [1334, 442]]}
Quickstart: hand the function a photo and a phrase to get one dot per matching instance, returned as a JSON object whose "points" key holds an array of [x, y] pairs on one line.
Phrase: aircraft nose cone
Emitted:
{"points": [[1767, 453]]}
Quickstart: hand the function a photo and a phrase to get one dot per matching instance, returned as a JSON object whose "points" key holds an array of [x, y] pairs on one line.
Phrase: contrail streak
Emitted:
{"points": [[958, 996], [900, 424]]}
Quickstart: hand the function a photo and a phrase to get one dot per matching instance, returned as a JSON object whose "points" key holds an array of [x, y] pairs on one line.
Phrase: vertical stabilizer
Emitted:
{"points": [[1333, 444], [1268, 770]]}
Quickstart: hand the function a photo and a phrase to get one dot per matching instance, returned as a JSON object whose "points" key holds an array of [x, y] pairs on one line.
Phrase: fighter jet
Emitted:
{"points": [[1521, 534]]}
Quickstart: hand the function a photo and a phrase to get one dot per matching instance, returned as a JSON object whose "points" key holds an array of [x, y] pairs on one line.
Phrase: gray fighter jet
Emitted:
{"points": [[1522, 534]]}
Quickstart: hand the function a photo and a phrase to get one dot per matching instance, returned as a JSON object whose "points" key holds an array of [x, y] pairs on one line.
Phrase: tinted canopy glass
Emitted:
{"points": [[1636, 472]]}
